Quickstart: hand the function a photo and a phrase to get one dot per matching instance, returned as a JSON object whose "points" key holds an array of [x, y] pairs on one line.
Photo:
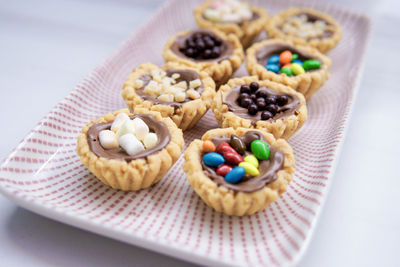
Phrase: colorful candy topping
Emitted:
{"points": [[235, 175], [289, 63], [133, 136], [256, 99], [202, 46], [213, 159], [167, 89], [260, 149], [229, 162], [233, 11], [301, 26], [249, 168], [208, 146]]}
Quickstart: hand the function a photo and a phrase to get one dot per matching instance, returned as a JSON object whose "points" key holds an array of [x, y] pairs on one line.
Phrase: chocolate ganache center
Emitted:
{"points": [[159, 128], [282, 111], [223, 49], [265, 52], [268, 168], [185, 75]]}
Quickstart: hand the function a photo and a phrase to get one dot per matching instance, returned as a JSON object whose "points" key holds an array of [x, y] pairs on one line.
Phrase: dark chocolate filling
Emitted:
{"points": [[159, 128], [265, 52], [313, 18], [268, 168], [284, 111], [226, 48], [186, 75]]}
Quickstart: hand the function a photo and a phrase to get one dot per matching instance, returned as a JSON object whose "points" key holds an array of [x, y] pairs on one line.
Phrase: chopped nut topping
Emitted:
{"points": [[166, 89], [300, 26], [195, 83]]}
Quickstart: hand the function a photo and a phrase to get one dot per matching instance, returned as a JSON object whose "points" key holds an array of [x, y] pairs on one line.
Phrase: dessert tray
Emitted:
{"points": [[44, 173]]}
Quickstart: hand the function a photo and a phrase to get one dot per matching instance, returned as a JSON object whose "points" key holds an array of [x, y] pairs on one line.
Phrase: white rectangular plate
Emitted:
{"points": [[44, 174]]}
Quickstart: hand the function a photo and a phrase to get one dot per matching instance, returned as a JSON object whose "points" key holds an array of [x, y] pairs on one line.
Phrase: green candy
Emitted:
{"points": [[294, 57], [288, 71], [297, 69], [311, 64], [260, 149]]}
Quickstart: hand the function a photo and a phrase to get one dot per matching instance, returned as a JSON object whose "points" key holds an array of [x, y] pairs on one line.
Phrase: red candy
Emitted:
{"points": [[223, 169], [224, 147], [232, 158]]}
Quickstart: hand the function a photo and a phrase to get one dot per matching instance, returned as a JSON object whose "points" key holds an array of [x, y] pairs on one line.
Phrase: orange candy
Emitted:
{"points": [[285, 57], [208, 146], [287, 65]]}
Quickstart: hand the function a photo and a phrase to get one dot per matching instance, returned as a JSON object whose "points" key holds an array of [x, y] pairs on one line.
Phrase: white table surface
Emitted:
{"points": [[47, 47]]}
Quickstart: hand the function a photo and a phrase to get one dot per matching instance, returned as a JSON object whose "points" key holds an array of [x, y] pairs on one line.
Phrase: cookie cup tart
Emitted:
{"points": [[302, 68], [208, 50], [250, 103], [305, 26], [243, 20], [262, 181], [177, 91], [130, 151]]}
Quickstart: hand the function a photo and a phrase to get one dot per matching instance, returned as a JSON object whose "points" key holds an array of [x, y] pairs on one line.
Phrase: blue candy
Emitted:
{"points": [[273, 67], [213, 159], [298, 61], [273, 59], [235, 175]]}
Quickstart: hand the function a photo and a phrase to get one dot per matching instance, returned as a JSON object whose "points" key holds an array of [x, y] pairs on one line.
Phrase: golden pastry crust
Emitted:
{"points": [[221, 71], [188, 114], [307, 83], [280, 128], [246, 32], [324, 45], [227, 200], [136, 174]]}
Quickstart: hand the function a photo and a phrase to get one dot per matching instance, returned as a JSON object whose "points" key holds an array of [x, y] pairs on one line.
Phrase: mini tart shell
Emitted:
{"points": [[324, 45], [307, 83], [186, 116], [220, 71], [280, 128], [246, 32], [227, 200], [136, 174]]}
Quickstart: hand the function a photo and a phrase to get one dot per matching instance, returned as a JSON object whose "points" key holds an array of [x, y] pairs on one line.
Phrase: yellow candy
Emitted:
{"points": [[249, 168], [252, 160], [297, 69]]}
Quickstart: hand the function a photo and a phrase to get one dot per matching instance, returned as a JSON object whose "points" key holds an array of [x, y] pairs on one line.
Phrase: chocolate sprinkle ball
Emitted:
{"points": [[256, 99], [202, 45]]}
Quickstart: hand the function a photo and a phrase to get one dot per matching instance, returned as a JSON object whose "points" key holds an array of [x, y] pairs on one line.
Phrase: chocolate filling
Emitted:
{"points": [[155, 126], [313, 18], [284, 111], [185, 75], [265, 52], [226, 51], [268, 168]]}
